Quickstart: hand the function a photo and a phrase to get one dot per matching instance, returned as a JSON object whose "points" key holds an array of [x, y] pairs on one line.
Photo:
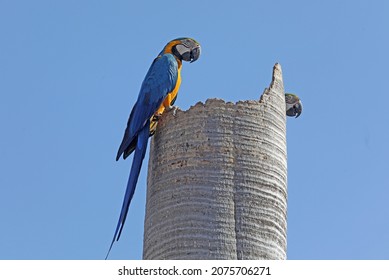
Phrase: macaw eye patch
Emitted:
{"points": [[181, 49]]}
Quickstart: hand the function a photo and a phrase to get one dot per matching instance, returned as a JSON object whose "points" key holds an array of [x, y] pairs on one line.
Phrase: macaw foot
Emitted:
{"points": [[156, 117], [172, 108]]}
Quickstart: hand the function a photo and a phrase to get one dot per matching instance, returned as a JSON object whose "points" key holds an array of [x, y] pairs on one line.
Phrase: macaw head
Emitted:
{"points": [[184, 49], [294, 107]]}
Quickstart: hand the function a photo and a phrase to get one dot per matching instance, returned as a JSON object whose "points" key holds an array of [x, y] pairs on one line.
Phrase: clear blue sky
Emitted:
{"points": [[70, 72]]}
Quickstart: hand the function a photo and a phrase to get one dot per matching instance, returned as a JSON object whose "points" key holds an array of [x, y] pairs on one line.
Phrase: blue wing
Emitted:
{"points": [[159, 81]]}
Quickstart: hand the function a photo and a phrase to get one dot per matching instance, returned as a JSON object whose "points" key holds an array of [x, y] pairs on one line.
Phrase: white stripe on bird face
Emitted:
{"points": [[181, 49]]}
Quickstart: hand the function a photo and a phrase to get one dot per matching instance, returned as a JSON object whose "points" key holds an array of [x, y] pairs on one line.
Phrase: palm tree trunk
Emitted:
{"points": [[217, 181]]}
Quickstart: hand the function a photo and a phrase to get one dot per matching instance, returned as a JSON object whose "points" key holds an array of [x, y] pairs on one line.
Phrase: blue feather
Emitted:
{"points": [[139, 155], [159, 81]]}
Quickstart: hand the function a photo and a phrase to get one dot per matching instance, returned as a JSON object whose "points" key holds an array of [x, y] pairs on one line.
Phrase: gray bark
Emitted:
{"points": [[217, 178]]}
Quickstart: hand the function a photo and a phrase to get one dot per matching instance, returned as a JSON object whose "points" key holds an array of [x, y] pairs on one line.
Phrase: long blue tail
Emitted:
{"points": [[139, 155]]}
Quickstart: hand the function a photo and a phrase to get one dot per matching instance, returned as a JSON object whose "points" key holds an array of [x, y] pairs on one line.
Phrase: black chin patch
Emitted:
{"points": [[291, 112]]}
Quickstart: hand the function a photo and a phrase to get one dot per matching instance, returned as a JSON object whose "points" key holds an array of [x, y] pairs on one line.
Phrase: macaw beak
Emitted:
{"points": [[195, 54], [295, 110], [192, 55], [298, 114], [298, 109]]}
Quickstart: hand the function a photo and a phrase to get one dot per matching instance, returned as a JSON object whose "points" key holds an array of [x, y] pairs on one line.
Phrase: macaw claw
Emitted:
{"points": [[172, 108], [156, 117]]}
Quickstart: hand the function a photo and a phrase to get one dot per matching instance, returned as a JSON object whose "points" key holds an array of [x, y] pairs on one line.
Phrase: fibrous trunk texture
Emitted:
{"points": [[217, 181]]}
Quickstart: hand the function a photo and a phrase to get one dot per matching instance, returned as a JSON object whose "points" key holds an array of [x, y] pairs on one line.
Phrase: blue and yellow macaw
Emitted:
{"points": [[158, 93], [294, 106]]}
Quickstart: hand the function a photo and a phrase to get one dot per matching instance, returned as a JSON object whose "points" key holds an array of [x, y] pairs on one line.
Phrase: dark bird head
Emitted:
{"points": [[294, 107], [184, 49]]}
